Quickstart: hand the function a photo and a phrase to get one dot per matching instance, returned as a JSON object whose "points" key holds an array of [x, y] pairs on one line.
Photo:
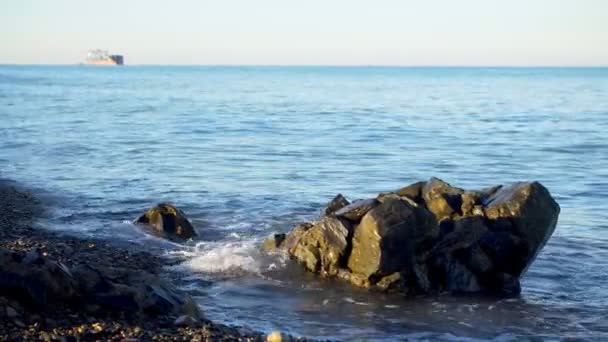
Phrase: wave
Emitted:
{"points": [[234, 257]]}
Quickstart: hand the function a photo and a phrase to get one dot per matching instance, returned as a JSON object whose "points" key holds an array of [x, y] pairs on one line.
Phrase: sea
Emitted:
{"points": [[250, 151]]}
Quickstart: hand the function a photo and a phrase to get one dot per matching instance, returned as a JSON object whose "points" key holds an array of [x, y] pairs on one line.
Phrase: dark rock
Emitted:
{"points": [[421, 282], [336, 204], [508, 252], [34, 280], [91, 280], [11, 313], [160, 298], [531, 212], [355, 211], [506, 284], [385, 240], [322, 248], [476, 260], [464, 233], [168, 221], [459, 279]]}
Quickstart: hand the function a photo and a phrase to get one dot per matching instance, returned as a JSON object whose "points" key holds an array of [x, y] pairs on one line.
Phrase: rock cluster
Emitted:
{"points": [[428, 237], [167, 221]]}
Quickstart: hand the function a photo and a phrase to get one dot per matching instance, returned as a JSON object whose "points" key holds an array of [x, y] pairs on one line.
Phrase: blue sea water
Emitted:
{"points": [[248, 151]]}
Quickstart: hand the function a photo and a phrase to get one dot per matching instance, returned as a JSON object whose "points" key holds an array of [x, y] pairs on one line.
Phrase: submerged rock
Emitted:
{"points": [[168, 221], [430, 237]]}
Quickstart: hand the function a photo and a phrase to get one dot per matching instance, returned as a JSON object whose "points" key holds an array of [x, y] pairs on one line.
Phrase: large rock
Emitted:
{"points": [[323, 247], [430, 237], [35, 280], [40, 283], [168, 221], [385, 240], [528, 212]]}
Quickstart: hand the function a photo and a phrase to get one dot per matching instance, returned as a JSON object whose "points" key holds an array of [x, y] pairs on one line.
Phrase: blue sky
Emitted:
{"points": [[311, 32]]}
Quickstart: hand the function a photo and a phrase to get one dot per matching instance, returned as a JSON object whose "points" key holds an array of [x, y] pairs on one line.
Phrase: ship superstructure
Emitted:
{"points": [[103, 57]]}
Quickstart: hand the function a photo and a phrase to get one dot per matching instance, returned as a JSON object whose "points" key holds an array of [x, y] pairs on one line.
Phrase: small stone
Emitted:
{"points": [[356, 279], [97, 327], [45, 336], [389, 281], [168, 221], [277, 336], [336, 204]]}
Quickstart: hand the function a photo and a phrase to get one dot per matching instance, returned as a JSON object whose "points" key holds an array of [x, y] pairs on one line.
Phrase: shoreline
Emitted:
{"points": [[20, 321]]}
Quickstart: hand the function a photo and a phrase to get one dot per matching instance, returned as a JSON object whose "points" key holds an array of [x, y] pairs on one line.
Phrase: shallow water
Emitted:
{"points": [[248, 151]]}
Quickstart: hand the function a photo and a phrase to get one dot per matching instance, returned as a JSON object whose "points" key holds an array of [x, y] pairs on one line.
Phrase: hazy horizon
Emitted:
{"points": [[468, 33]]}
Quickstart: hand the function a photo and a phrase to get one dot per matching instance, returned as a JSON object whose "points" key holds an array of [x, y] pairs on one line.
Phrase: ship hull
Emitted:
{"points": [[111, 60], [103, 62]]}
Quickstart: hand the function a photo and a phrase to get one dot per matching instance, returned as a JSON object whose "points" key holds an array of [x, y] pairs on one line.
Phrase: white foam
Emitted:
{"points": [[230, 257], [222, 257]]}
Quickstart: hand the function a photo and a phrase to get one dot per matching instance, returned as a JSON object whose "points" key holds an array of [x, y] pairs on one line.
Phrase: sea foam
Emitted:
{"points": [[232, 257]]}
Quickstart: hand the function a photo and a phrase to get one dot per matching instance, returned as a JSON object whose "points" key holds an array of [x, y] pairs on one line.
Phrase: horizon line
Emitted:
{"points": [[327, 65]]}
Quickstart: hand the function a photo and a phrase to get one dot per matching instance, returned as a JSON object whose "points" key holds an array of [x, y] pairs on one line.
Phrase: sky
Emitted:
{"points": [[311, 32]]}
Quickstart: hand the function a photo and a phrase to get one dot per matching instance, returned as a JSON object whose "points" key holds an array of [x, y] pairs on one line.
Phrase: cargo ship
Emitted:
{"points": [[102, 57]]}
